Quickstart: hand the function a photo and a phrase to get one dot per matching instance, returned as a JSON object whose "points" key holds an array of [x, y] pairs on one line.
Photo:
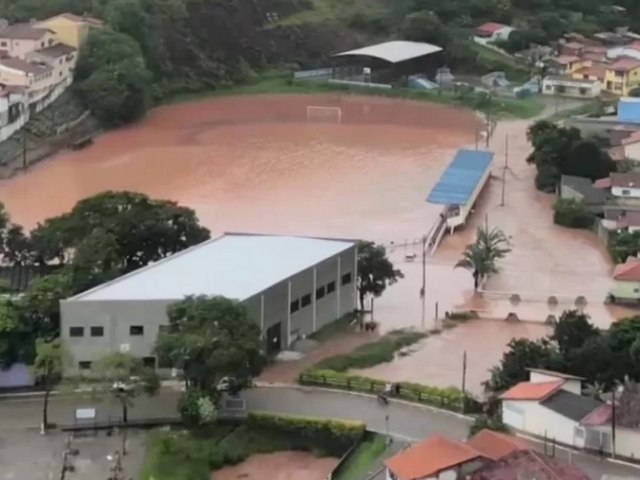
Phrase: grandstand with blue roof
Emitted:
{"points": [[458, 189]]}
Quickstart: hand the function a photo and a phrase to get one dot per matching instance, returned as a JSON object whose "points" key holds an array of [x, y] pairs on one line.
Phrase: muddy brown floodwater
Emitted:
{"points": [[259, 164]]}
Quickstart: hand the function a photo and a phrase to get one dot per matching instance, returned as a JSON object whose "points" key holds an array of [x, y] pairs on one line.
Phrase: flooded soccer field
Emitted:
{"points": [[264, 164]]}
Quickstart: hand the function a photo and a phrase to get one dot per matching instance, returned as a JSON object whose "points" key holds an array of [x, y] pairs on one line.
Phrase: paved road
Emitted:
{"points": [[403, 421]]}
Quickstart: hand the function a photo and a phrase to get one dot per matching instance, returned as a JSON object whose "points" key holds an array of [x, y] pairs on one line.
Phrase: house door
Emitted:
{"points": [[274, 339]]}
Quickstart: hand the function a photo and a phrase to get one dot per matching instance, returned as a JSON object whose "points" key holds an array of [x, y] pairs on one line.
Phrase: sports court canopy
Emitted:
{"points": [[394, 52], [460, 179]]}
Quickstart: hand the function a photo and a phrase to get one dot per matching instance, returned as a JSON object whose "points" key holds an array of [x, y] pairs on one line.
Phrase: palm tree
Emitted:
{"points": [[481, 257]]}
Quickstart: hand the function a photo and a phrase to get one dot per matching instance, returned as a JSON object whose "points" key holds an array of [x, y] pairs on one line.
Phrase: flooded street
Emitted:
{"points": [[258, 164]]}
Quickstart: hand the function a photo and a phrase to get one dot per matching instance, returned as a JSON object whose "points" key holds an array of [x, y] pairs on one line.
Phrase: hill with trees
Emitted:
{"points": [[154, 49]]}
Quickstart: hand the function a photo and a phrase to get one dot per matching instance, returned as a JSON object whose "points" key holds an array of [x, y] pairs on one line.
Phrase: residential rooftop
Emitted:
{"points": [[625, 180], [531, 390], [625, 65], [430, 457], [24, 66], [571, 405], [628, 271], [56, 51], [236, 266], [23, 31], [395, 51], [490, 27], [527, 464], [496, 445]]}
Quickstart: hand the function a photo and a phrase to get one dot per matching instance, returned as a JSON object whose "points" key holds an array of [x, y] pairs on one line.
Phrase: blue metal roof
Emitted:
{"points": [[460, 178], [629, 110]]}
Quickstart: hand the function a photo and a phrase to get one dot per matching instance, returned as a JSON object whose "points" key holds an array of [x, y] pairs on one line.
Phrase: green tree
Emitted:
{"points": [[48, 367], [481, 257], [16, 343], [209, 338], [126, 378], [18, 249], [586, 159], [95, 260], [624, 245], [520, 355], [197, 409], [572, 213], [573, 330], [39, 307], [375, 271], [113, 78], [425, 26]]}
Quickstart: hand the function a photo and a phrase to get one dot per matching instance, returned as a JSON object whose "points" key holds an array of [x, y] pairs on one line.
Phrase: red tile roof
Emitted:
{"points": [[627, 272], [531, 390], [625, 180], [565, 59], [496, 445], [429, 457], [595, 70], [625, 64], [602, 183], [600, 416], [490, 27], [529, 464]]}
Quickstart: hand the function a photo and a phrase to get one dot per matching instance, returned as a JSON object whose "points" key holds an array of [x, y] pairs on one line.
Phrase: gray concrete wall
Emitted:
{"points": [[116, 317], [597, 126]]}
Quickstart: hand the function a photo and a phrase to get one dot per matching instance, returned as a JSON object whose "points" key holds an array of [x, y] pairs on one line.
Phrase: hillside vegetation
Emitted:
{"points": [[155, 49]]}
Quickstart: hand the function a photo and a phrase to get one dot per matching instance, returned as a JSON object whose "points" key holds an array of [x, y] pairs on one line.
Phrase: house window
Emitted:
{"points": [[136, 330], [3, 44], [84, 365], [346, 278], [548, 87], [97, 331], [294, 306], [76, 331], [149, 362], [319, 293], [41, 44], [636, 290], [626, 191], [331, 287], [306, 300]]}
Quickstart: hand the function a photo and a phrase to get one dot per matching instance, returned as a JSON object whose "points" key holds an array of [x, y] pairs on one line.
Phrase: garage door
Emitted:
{"points": [[512, 415]]}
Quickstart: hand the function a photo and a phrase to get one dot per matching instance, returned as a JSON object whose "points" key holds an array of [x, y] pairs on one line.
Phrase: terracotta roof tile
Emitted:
{"points": [[625, 64], [490, 27], [565, 59], [495, 445], [629, 271], [602, 183], [529, 464], [625, 180], [429, 457], [531, 390]]}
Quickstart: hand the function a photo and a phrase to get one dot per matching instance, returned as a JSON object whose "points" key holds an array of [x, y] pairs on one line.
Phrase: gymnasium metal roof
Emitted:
{"points": [[236, 266], [459, 180], [395, 51]]}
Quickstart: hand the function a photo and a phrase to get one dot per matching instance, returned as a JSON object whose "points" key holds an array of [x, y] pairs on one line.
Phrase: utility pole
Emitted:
{"points": [[464, 379], [423, 290], [504, 170], [24, 150], [613, 421]]}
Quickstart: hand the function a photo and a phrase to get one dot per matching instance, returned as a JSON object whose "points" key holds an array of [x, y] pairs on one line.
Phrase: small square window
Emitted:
{"points": [[84, 365], [346, 279], [626, 192], [331, 287], [149, 362], [76, 331], [295, 306], [97, 331], [136, 330], [319, 293], [306, 300]]}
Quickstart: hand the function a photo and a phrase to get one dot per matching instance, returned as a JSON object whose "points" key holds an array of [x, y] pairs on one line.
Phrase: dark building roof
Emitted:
{"points": [[56, 51], [584, 186], [570, 405], [529, 464], [23, 31], [23, 66]]}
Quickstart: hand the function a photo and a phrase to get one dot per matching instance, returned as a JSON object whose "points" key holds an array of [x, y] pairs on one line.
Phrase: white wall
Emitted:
{"points": [[627, 441], [539, 420], [574, 386], [632, 152], [629, 192]]}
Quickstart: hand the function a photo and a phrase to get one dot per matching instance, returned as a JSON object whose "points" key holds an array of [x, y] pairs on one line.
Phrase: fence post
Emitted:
{"points": [[348, 384], [324, 380]]}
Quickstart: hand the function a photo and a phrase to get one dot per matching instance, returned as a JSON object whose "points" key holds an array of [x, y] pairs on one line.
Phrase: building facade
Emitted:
{"points": [[69, 29], [20, 39], [565, 86], [290, 286]]}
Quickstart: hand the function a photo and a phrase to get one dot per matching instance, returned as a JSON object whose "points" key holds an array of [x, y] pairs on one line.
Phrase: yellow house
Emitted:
{"points": [[70, 29], [626, 277], [622, 76]]}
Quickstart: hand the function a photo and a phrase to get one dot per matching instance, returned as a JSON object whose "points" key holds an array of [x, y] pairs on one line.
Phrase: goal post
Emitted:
{"points": [[324, 114]]}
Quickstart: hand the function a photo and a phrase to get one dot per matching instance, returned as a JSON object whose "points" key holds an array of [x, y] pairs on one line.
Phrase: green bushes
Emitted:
{"points": [[572, 213], [448, 398], [333, 437], [372, 354]]}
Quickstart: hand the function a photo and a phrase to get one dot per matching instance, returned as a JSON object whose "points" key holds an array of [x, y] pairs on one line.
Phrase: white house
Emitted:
{"points": [[549, 405], [14, 111], [565, 86], [625, 185]]}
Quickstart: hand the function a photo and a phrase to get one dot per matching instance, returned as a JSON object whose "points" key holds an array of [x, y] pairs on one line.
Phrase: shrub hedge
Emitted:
{"points": [[572, 213], [334, 437], [447, 398]]}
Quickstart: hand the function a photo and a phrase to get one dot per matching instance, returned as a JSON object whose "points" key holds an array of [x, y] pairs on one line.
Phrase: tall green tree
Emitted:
{"points": [[375, 271], [126, 378], [48, 367], [573, 330], [481, 257], [209, 338]]}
